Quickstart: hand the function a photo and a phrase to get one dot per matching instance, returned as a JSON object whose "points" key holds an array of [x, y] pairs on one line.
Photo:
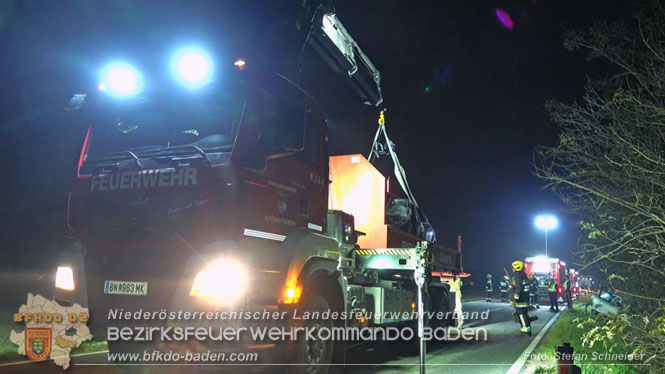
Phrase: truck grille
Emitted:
{"points": [[143, 215]]}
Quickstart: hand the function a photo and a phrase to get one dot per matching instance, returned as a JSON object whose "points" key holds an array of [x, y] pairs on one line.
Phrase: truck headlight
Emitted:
{"points": [[64, 278], [222, 282]]}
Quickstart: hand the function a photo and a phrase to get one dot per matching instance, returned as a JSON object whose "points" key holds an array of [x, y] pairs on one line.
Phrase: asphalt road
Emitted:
{"points": [[504, 345]]}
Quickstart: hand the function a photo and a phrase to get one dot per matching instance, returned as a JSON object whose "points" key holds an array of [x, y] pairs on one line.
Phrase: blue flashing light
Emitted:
{"points": [[192, 67], [120, 79]]}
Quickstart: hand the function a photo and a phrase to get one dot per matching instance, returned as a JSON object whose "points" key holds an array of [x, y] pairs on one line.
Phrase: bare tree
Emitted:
{"points": [[609, 168]]}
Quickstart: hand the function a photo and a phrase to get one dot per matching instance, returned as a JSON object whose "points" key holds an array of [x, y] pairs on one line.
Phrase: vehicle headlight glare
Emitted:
{"points": [[120, 79], [64, 278], [192, 67], [222, 282]]}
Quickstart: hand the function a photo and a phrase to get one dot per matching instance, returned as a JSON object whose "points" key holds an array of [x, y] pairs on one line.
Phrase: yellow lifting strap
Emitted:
{"points": [[382, 118]]}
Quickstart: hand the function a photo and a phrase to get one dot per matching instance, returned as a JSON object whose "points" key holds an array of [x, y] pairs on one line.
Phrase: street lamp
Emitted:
{"points": [[546, 222]]}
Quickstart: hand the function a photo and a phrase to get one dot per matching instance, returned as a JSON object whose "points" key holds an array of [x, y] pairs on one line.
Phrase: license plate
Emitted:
{"points": [[125, 288]]}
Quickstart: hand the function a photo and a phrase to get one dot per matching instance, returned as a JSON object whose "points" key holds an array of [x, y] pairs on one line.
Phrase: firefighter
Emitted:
{"points": [[551, 292], [568, 291], [533, 291], [456, 286], [488, 288], [503, 287], [521, 297]]}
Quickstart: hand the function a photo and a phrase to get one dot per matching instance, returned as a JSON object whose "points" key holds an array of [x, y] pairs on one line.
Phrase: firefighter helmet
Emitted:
{"points": [[518, 266], [489, 276]]}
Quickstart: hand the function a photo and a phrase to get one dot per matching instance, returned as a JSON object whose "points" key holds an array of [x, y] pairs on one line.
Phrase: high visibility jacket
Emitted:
{"points": [[566, 286], [456, 286], [533, 286], [521, 292], [503, 285], [488, 285], [551, 286]]}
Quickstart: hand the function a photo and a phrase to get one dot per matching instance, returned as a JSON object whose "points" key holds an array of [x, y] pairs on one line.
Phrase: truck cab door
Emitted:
{"points": [[287, 182]]}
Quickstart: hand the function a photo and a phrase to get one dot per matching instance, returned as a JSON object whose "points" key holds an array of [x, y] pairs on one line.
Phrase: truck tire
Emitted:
{"points": [[441, 303], [313, 356]]}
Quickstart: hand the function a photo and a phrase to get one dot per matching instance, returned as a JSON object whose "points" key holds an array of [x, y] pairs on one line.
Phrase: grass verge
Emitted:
{"points": [[589, 359]]}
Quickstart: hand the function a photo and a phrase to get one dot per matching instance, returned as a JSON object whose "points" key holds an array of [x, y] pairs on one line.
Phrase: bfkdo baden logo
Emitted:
{"points": [[51, 330], [38, 343]]}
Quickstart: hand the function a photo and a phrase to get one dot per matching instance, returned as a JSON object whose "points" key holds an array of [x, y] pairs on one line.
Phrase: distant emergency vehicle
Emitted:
{"points": [[544, 268]]}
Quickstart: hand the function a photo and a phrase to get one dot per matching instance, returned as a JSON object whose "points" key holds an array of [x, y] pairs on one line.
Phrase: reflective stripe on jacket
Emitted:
{"points": [[522, 286], [533, 286]]}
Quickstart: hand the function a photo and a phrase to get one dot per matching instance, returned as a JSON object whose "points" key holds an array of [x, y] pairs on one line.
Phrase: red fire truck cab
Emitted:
{"points": [[545, 268], [224, 198]]}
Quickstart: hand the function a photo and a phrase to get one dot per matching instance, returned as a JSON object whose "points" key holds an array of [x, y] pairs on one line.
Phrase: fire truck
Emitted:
{"points": [[205, 194], [545, 268], [574, 281]]}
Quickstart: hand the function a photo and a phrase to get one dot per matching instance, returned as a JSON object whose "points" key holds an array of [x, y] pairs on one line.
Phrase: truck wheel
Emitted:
{"points": [[313, 356], [443, 306]]}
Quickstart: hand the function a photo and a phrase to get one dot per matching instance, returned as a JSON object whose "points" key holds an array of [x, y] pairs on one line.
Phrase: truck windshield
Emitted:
{"points": [[163, 124]]}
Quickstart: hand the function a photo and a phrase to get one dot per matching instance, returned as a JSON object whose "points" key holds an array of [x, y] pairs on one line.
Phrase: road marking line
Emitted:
{"points": [[517, 366], [53, 358]]}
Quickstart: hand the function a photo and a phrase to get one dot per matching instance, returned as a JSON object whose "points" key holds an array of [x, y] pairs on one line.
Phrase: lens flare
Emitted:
{"points": [[504, 18]]}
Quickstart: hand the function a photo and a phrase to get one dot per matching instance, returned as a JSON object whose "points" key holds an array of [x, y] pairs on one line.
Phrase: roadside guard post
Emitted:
{"points": [[566, 360], [420, 277]]}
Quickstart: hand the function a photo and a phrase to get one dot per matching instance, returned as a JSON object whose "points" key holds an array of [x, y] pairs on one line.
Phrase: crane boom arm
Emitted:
{"points": [[335, 45]]}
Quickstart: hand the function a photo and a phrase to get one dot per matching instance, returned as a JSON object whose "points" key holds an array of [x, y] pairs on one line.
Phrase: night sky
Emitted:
{"points": [[464, 93]]}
